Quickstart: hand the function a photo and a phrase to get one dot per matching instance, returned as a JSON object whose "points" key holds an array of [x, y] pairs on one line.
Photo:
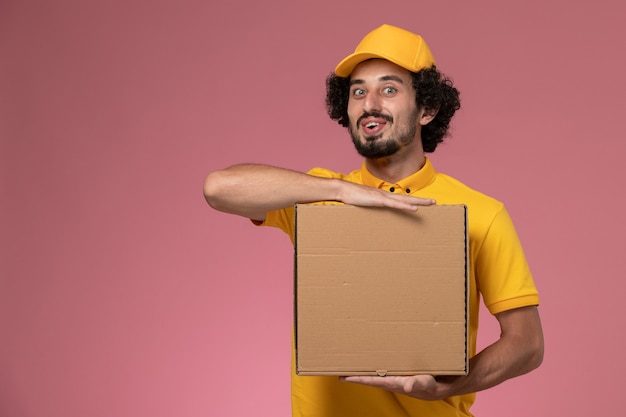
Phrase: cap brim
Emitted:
{"points": [[345, 67]]}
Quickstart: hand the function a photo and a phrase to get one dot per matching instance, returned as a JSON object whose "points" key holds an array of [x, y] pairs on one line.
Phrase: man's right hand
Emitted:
{"points": [[362, 195], [251, 190]]}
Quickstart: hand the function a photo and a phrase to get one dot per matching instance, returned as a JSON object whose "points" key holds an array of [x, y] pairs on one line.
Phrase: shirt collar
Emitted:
{"points": [[408, 185]]}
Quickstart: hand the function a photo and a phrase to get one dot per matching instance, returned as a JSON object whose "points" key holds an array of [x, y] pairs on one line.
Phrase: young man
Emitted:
{"points": [[397, 107]]}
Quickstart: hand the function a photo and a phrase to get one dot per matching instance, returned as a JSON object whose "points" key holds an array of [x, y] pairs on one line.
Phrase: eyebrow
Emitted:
{"points": [[383, 78]]}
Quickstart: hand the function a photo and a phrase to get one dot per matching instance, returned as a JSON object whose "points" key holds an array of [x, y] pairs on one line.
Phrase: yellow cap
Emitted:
{"points": [[399, 46]]}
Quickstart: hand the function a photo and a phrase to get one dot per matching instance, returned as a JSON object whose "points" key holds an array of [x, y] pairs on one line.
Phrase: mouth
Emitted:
{"points": [[372, 125]]}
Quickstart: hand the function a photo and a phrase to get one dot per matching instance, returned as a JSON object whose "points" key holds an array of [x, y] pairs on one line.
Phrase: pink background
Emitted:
{"points": [[123, 294]]}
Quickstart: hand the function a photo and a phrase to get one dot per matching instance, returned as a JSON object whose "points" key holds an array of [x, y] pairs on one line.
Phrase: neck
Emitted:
{"points": [[392, 170]]}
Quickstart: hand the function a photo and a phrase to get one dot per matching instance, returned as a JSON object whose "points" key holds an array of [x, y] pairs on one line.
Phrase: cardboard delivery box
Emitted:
{"points": [[381, 291]]}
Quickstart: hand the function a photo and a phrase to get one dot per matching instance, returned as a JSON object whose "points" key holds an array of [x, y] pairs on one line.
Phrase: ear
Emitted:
{"points": [[427, 114]]}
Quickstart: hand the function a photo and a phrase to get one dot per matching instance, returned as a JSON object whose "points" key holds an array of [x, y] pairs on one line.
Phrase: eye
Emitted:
{"points": [[358, 92], [389, 90]]}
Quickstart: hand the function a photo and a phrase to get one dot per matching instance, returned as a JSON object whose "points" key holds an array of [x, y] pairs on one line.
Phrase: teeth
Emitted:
{"points": [[371, 125]]}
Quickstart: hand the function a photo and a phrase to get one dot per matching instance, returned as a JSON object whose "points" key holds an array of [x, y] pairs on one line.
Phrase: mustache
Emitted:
{"points": [[374, 114]]}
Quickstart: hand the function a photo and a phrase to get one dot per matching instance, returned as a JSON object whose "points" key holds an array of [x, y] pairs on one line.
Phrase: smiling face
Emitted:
{"points": [[384, 118]]}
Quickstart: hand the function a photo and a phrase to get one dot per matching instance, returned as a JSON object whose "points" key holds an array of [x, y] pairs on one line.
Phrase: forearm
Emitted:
{"points": [[514, 354], [518, 351], [252, 190]]}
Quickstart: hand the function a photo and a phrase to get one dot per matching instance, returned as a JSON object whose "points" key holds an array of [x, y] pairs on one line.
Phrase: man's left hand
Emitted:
{"points": [[424, 387]]}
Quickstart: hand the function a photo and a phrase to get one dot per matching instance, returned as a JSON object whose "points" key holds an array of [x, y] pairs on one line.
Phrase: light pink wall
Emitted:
{"points": [[123, 294]]}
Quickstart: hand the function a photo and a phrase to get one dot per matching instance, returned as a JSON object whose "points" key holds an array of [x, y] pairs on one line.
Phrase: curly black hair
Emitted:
{"points": [[433, 89]]}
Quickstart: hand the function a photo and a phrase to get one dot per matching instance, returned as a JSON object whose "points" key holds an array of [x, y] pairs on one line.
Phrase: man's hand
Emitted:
{"points": [[362, 195], [518, 351], [424, 387], [251, 190]]}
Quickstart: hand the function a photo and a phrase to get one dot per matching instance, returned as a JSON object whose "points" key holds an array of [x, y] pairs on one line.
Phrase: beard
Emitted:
{"points": [[375, 147]]}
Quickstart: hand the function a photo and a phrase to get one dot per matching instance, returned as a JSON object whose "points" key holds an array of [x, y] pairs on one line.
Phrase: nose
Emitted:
{"points": [[372, 102]]}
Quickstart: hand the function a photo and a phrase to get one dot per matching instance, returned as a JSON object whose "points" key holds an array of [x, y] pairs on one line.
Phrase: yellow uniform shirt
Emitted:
{"points": [[499, 273]]}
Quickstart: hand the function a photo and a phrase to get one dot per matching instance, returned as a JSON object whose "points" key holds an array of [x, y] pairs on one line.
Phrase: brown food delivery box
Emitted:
{"points": [[381, 291]]}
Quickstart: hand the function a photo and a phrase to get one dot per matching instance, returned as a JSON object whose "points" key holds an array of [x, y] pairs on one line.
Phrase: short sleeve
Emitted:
{"points": [[502, 272]]}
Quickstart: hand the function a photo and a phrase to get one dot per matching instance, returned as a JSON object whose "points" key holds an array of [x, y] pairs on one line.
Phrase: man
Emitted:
{"points": [[397, 107]]}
